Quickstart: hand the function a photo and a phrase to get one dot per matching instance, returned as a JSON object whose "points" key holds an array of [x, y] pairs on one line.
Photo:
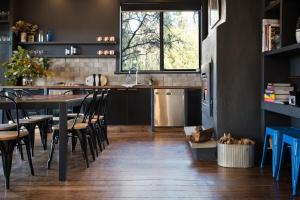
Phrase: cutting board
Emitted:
{"points": [[90, 79]]}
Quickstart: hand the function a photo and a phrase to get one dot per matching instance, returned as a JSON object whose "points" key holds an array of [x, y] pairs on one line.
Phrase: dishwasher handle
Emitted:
{"points": [[168, 93]]}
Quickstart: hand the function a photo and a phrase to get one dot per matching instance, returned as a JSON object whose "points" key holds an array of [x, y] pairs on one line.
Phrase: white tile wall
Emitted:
{"points": [[75, 70]]}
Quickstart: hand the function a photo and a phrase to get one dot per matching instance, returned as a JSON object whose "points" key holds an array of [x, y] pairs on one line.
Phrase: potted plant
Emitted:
{"points": [[23, 28], [23, 66], [32, 32]]}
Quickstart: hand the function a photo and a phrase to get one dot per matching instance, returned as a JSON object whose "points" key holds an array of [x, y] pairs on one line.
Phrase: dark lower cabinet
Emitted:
{"points": [[129, 107], [193, 107], [117, 109], [139, 106]]}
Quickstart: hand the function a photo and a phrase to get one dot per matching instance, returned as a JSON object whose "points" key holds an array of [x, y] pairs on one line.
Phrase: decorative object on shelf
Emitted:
{"points": [[99, 78], [112, 38], [49, 35], [90, 79], [294, 98], [213, 12], [99, 39], [111, 52], [22, 65], [24, 28], [94, 79], [41, 36], [298, 31], [4, 15], [106, 39]]}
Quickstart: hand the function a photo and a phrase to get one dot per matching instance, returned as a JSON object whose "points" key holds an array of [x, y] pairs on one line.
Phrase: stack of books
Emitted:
{"points": [[270, 34], [278, 92]]}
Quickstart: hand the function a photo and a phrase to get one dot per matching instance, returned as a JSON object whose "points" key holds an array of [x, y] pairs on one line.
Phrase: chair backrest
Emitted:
{"points": [[105, 102], [83, 102], [90, 110], [13, 107]]}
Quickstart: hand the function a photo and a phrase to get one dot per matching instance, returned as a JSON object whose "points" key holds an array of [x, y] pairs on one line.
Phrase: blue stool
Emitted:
{"points": [[292, 138], [276, 134]]}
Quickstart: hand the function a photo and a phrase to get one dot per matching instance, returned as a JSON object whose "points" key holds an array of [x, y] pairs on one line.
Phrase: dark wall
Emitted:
{"points": [[72, 20], [235, 48], [79, 20]]}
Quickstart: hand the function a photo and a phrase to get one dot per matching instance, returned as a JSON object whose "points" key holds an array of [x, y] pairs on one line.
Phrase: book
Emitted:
{"points": [[270, 34]]}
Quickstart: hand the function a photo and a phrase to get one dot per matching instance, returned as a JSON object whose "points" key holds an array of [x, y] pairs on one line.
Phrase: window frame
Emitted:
{"points": [[161, 70]]}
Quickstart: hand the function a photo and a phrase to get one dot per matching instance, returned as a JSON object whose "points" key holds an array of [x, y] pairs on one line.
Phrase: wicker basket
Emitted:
{"points": [[235, 155]]}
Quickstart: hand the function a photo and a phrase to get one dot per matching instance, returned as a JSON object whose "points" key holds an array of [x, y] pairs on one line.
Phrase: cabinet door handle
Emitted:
{"points": [[168, 93], [132, 89], [121, 89]]}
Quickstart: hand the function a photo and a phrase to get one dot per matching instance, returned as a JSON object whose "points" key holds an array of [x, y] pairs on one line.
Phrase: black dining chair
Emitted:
{"points": [[9, 139], [43, 122], [77, 129]]}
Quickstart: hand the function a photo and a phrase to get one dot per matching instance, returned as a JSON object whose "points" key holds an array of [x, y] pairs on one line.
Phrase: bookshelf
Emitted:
{"points": [[281, 65]]}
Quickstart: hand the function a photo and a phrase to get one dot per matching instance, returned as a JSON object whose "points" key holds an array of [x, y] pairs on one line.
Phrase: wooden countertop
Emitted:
{"points": [[56, 87]]}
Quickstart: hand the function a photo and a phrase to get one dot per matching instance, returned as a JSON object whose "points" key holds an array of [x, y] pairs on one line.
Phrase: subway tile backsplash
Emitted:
{"points": [[75, 70]]}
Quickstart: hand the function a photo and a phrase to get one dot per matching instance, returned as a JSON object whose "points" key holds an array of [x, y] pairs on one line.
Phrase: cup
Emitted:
{"points": [[111, 52], [112, 38], [99, 39]]}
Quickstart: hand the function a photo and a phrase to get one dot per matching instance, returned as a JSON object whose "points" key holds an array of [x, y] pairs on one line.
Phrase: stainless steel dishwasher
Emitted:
{"points": [[168, 107]]}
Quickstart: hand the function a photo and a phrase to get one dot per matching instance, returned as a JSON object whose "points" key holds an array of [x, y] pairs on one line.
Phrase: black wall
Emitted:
{"points": [[235, 48], [81, 20]]}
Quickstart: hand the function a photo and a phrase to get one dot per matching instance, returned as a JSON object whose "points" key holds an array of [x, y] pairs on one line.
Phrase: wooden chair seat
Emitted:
{"points": [[78, 126], [28, 121], [100, 117], [11, 135], [7, 127], [41, 117]]}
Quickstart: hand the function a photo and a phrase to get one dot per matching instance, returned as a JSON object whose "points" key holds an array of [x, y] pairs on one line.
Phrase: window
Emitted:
{"points": [[160, 41]]}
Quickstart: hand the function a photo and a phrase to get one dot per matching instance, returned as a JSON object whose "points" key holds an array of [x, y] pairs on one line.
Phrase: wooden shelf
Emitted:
{"points": [[67, 43], [284, 51], [79, 56], [288, 110], [4, 22], [273, 6]]}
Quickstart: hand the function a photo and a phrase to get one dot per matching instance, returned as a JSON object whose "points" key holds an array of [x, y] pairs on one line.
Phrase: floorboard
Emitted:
{"points": [[141, 165]]}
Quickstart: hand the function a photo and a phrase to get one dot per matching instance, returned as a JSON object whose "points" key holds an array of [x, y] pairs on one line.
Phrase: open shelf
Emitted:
{"points": [[273, 6], [288, 110], [80, 56], [4, 22], [67, 43], [284, 51]]}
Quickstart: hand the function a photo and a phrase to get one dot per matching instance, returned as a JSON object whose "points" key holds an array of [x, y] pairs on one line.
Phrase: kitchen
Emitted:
{"points": [[133, 84]]}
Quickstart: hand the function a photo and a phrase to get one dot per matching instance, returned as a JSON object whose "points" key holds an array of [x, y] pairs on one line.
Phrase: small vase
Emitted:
{"points": [[19, 81], [298, 35], [23, 37], [30, 38]]}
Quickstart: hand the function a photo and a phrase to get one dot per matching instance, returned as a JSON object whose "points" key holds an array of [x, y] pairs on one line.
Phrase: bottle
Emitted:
{"points": [[41, 36], [49, 36]]}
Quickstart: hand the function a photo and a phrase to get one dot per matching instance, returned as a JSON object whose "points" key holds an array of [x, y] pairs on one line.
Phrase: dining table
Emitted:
{"points": [[61, 102]]}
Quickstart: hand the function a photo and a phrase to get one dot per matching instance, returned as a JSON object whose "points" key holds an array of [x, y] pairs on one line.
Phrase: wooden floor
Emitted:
{"points": [[141, 165]]}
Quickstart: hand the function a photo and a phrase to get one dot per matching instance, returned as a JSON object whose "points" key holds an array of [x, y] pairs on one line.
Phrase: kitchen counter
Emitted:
{"points": [[57, 87]]}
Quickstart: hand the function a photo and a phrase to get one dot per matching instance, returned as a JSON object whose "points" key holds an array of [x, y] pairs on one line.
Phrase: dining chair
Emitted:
{"points": [[9, 139], [77, 129], [43, 122]]}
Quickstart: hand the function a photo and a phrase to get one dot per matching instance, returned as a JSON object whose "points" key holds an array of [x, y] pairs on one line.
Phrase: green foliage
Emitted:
{"points": [[141, 40], [23, 65], [22, 26]]}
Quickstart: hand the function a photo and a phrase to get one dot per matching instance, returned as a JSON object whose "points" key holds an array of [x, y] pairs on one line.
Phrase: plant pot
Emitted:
{"points": [[298, 35], [23, 37], [19, 81], [31, 38]]}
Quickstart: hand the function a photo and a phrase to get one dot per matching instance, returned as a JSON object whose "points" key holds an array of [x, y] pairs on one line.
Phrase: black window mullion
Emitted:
{"points": [[161, 39]]}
